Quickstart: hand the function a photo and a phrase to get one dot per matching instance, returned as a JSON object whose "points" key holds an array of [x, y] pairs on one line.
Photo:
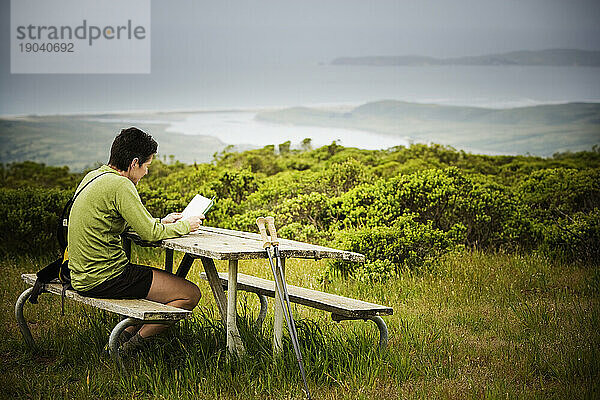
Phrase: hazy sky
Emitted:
{"points": [[320, 30], [192, 35]]}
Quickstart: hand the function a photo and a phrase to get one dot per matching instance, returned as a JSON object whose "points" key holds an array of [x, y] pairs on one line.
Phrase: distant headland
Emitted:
{"points": [[549, 57]]}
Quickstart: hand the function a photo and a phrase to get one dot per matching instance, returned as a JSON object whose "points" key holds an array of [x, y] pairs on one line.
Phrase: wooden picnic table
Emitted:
{"points": [[209, 244]]}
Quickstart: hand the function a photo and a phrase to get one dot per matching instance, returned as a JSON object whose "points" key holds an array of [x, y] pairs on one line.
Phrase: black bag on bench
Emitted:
{"points": [[58, 269]]}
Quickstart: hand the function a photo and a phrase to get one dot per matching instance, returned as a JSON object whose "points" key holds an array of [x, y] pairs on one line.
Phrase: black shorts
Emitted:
{"points": [[133, 283]]}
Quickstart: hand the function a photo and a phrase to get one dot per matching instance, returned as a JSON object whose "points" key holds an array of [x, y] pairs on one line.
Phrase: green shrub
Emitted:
{"points": [[419, 200], [31, 174], [557, 192], [573, 238], [303, 232], [227, 214], [234, 185], [374, 271], [341, 177], [407, 244], [307, 209], [285, 185], [29, 218], [563, 207], [489, 211]]}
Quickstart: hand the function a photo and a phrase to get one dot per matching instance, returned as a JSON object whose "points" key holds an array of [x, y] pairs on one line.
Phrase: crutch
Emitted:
{"points": [[281, 287]]}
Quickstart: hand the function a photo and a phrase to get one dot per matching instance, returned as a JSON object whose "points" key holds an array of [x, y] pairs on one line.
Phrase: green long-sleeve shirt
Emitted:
{"points": [[100, 213]]}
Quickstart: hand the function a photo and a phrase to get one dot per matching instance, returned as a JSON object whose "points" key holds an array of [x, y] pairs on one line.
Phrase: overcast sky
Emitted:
{"points": [[188, 35], [324, 29]]}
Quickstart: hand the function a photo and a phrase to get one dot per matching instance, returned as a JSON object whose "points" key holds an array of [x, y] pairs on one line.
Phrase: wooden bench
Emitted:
{"points": [[134, 312], [341, 308]]}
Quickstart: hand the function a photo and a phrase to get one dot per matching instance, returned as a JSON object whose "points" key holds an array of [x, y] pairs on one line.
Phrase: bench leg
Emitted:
{"points": [[383, 331], [113, 339], [263, 311], [21, 319]]}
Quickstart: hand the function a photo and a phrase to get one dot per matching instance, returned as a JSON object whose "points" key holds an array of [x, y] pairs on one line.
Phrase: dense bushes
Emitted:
{"points": [[29, 218], [411, 219], [564, 207], [402, 207], [31, 174], [406, 244]]}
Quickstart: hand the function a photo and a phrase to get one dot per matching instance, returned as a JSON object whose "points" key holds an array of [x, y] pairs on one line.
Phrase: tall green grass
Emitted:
{"points": [[474, 326]]}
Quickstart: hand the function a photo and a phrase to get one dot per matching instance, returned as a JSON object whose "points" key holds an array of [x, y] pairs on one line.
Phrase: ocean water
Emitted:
{"points": [[240, 127], [328, 86], [234, 87], [242, 89]]}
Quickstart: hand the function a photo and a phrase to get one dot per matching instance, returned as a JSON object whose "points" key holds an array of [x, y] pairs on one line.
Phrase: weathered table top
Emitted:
{"points": [[226, 244]]}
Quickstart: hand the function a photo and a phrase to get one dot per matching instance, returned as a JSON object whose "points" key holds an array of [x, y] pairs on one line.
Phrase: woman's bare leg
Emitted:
{"points": [[172, 290]]}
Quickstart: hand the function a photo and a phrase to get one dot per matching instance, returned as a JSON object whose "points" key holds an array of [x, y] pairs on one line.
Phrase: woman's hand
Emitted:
{"points": [[195, 221], [173, 217]]}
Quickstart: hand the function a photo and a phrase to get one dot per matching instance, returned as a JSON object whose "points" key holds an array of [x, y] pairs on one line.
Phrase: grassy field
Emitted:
{"points": [[476, 326]]}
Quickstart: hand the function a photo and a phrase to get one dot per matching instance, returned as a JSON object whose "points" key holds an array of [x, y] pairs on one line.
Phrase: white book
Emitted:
{"points": [[198, 206]]}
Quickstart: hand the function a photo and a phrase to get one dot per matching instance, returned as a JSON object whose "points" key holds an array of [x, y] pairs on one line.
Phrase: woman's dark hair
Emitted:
{"points": [[129, 144]]}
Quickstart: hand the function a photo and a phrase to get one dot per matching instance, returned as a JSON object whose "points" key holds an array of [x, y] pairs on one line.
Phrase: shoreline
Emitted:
{"points": [[83, 114], [337, 106]]}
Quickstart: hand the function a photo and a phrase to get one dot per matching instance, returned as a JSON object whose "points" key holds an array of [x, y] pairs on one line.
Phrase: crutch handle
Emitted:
{"points": [[272, 230], [260, 222]]}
